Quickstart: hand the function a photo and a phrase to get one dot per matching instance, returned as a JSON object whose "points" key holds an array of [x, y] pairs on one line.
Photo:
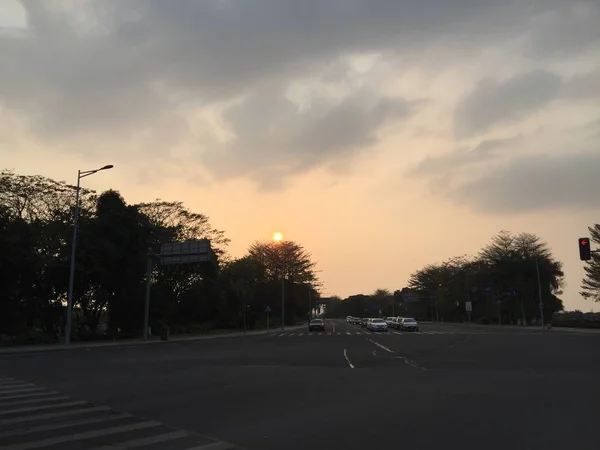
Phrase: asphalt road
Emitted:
{"points": [[449, 385]]}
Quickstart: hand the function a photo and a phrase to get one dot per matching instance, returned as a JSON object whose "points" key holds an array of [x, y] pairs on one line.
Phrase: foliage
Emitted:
{"points": [[591, 283], [500, 282], [36, 226]]}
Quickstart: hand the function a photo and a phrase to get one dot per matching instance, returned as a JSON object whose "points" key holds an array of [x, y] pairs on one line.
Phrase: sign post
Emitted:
{"points": [[267, 310], [175, 253]]}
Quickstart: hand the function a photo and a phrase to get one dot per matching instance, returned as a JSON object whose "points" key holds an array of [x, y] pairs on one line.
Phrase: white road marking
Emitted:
{"points": [[71, 412], [348, 333], [57, 426], [84, 435], [18, 391], [333, 327], [339, 334], [346, 356], [282, 334], [328, 334], [219, 445], [381, 346], [395, 332], [300, 334], [142, 442], [6, 383], [359, 333], [33, 400], [39, 408], [320, 334], [35, 394]]}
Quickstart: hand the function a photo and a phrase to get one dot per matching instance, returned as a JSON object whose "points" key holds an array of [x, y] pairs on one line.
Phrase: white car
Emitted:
{"points": [[409, 324], [389, 321], [377, 325]]}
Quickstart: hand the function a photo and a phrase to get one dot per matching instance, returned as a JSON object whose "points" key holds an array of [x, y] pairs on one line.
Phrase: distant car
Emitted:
{"points": [[396, 322], [389, 321], [356, 321], [409, 324], [349, 319], [316, 324], [364, 321], [377, 325]]}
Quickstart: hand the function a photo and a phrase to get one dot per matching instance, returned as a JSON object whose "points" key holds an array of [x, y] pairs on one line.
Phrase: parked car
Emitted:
{"points": [[363, 322], [397, 322], [377, 325], [316, 325], [409, 324], [389, 321], [356, 321], [349, 319]]}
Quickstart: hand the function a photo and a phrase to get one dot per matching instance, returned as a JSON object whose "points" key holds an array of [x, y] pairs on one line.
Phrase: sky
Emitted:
{"points": [[382, 135]]}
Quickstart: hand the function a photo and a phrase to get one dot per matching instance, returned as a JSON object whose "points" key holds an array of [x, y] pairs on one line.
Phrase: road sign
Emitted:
{"points": [[267, 309], [469, 306], [187, 252]]}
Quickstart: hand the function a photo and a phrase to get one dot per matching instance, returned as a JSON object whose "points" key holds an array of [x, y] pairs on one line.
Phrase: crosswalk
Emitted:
{"points": [[32, 417], [362, 333]]}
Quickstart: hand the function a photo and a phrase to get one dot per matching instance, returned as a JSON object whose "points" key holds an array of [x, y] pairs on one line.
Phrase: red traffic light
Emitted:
{"points": [[585, 252]]}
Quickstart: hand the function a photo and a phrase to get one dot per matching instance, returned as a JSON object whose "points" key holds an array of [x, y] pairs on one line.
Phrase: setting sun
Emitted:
{"points": [[277, 237]]}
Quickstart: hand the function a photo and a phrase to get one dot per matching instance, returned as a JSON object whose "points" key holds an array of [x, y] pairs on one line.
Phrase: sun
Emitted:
{"points": [[278, 237]]}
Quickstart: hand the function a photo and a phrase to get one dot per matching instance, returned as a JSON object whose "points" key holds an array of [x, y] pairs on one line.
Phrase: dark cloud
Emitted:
{"points": [[484, 152], [493, 102], [273, 136], [123, 71], [535, 183]]}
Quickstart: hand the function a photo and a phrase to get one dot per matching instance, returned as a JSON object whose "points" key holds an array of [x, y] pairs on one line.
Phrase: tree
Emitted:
{"points": [[36, 225], [289, 263], [591, 283], [501, 280]]}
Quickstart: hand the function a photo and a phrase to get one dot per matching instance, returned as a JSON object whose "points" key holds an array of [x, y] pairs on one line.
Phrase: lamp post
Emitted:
{"points": [[278, 238], [539, 285], [80, 174]]}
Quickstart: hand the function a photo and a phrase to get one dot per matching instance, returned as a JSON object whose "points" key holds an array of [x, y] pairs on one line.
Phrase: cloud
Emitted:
{"points": [[445, 164], [535, 183], [274, 138], [130, 77], [493, 102]]}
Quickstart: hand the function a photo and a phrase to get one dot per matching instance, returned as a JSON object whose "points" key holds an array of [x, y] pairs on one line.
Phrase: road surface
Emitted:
{"points": [[448, 385]]}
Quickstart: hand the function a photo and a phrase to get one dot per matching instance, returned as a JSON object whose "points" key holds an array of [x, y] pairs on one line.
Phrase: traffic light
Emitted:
{"points": [[585, 251]]}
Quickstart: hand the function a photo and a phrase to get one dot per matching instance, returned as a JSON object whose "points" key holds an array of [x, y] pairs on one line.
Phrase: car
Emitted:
{"points": [[316, 325], [396, 322], [364, 321], [356, 321], [409, 324], [349, 319], [377, 325], [389, 321]]}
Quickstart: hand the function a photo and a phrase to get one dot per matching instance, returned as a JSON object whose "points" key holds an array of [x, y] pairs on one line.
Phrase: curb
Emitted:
{"points": [[21, 349]]}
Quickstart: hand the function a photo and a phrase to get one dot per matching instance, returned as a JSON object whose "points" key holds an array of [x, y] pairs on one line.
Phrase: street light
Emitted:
{"points": [[80, 174], [539, 283], [278, 238]]}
